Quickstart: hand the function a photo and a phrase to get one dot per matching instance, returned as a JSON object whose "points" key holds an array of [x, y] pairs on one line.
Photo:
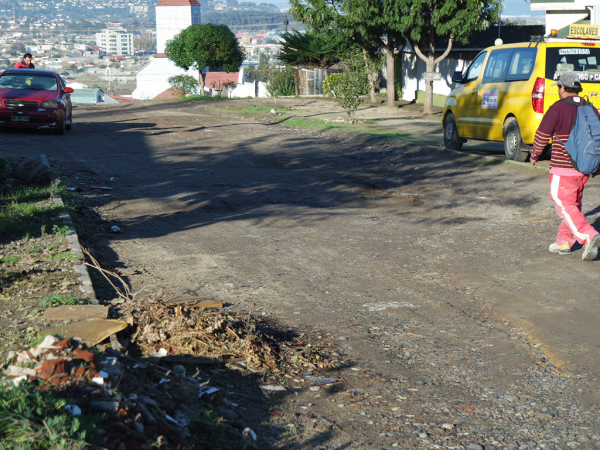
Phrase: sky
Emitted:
{"points": [[519, 8], [511, 7]]}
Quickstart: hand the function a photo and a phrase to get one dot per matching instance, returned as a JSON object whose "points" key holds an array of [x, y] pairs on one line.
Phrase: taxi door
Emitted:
{"points": [[491, 93], [467, 100]]}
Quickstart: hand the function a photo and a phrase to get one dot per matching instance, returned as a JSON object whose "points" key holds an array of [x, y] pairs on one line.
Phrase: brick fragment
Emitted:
{"points": [[85, 355], [80, 373], [52, 366], [65, 343]]}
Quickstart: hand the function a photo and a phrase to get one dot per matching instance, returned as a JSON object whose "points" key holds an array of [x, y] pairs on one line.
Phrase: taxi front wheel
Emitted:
{"points": [[513, 142], [451, 139]]}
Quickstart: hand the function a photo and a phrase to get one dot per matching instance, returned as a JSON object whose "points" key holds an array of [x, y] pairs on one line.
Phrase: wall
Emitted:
{"points": [[170, 20], [152, 79], [413, 69], [249, 90]]}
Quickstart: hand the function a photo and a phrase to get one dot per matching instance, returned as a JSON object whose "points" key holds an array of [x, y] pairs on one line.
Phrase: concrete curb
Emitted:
{"points": [[85, 282]]}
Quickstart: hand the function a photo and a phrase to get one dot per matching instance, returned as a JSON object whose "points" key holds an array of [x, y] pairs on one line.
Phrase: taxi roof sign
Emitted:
{"points": [[583, 31]]}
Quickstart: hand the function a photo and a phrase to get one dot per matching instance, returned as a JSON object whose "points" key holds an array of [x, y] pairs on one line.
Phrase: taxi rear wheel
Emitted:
{"points": [[451, 139], [513, 142]]}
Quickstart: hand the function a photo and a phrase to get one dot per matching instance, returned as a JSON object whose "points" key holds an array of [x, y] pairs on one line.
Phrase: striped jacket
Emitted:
{"points": [[558, 120]]}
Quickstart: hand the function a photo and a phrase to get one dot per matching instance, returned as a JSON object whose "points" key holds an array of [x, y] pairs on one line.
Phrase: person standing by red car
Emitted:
{"points": [[26, 62]]}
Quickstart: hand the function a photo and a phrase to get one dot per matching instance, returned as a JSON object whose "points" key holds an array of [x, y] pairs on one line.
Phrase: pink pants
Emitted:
{"points": [[566, 193]]}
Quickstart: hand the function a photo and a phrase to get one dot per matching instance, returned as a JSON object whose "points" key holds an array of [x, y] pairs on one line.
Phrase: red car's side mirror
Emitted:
{"points": [[68, 90]]}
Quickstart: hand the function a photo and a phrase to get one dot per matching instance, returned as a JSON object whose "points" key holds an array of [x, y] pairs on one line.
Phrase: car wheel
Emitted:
{"points": [[451, 139], [69, 125], [62, 128], [513, 142]]}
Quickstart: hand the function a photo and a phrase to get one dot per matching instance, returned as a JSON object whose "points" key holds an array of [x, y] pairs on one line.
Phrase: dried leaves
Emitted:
{"points": [[251, 343]]}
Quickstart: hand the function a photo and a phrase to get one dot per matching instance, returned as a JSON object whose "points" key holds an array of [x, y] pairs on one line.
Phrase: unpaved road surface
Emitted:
{"points": [[429, 270]]}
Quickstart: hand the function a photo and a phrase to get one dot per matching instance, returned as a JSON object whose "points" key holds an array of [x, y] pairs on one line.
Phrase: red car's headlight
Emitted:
{"points": [[49, 104]]}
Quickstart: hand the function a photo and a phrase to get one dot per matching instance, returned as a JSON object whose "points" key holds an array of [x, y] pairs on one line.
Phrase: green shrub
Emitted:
{"points": [[356, 82], [183, 84], [281, 82]]}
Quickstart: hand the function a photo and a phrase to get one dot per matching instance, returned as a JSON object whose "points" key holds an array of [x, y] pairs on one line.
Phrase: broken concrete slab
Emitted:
{"points": [[75, 312], [91, 331]]}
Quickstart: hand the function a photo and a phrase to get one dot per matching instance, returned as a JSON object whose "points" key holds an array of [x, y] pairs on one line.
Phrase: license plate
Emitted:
{"points": [[19, 118]]}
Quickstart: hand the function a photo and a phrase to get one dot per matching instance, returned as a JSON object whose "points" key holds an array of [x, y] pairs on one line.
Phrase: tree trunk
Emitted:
{"points": [[371, 77], [430, 63], [390, 73], [201, 80]]}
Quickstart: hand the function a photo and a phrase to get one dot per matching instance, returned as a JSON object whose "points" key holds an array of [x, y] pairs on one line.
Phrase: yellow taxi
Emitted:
{"points": [[504, 93]]}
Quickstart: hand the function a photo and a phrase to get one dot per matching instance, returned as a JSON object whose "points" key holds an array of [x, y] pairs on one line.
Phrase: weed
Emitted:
{"points": [[57, 300], [60, 230], [35, 419], [10, 260], [27, 237], [63, 256], [43, 230]]}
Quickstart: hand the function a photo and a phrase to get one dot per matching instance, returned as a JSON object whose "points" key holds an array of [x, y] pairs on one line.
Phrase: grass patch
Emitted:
{"points": [[257, 110], [61, 230], [35, 419], [29, 210], [196, 98], [68, 256], [10, 260], [57, 300]]}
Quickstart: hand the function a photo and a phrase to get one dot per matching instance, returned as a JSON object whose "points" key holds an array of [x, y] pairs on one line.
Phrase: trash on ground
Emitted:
{"points": [[270, 387]]}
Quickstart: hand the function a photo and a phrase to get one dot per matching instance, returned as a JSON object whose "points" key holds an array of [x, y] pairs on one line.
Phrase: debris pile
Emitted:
{"points": [[136, 405], [248, 343], [142, 396]]}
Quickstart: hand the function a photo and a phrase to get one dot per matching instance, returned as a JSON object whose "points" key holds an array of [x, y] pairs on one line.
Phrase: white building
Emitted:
{"points": [[562, 13], [115, 41], [172, 16]]}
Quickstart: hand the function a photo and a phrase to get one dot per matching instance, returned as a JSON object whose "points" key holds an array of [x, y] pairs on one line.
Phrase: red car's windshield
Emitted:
{"points": [[28, 81]]}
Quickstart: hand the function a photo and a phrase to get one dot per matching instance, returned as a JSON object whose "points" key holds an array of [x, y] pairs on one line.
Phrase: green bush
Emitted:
{"points": [[356, 82], [183, 84], [281, 82]]}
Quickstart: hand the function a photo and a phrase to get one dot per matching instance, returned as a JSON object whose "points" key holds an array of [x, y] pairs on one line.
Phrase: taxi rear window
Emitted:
{"points": [[583, 61]]}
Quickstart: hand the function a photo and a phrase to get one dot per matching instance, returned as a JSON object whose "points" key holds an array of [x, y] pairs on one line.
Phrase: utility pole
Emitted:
{"points": [[286, 22]]}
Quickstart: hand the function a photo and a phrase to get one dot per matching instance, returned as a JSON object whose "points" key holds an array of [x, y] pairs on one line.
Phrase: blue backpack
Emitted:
{"points": [[583, 145]]}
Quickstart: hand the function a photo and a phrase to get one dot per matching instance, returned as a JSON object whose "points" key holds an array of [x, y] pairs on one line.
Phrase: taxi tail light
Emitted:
{"points": [[537, 95]]}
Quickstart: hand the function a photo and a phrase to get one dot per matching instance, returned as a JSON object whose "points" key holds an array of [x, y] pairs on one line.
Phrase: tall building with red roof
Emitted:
{"points": [[172, 16]]}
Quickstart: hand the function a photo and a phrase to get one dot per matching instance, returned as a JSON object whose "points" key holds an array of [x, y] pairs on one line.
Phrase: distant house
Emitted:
{"points": [[87, 96], [77, 85]]}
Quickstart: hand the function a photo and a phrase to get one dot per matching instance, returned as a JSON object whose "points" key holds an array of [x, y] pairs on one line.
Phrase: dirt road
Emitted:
{"points": [[428, 269]]}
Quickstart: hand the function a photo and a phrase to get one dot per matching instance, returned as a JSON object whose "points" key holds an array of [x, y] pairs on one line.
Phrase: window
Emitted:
{"points": [[495, 68], [195, 18], [29, 82], [521, 64], [475, 68], [581, 60]]}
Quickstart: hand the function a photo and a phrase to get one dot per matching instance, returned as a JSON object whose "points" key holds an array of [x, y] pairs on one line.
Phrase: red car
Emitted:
{"points": [[35, 99]]}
